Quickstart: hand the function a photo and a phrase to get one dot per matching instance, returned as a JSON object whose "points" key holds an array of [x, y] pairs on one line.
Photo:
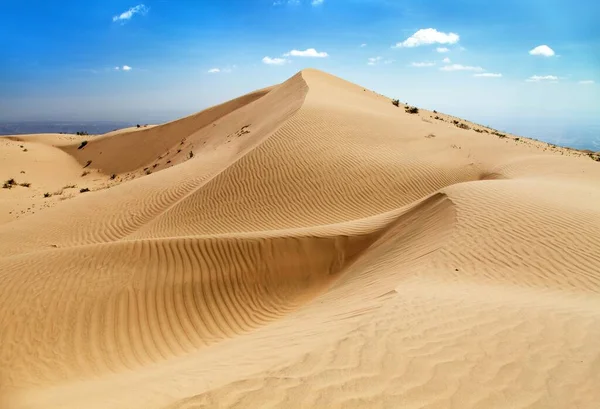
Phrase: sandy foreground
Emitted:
{"points": [[308, 245]]}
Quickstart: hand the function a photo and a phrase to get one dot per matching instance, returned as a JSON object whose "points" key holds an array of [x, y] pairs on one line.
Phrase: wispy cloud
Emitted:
{"points": [[127, 15], [488, 75], [586, 82], [459, 67], [123, 68], [363, 45], [542, 50], [442, 50], [374, 60], [422, 64], [446, 60], [310, 52], [540, 78], [275, 61], [427, 36], [214, 70], [317, 2], [282, 2]]}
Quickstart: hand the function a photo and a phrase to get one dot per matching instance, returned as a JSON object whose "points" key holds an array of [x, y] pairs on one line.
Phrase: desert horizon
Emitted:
{"points": [[311, 244]]}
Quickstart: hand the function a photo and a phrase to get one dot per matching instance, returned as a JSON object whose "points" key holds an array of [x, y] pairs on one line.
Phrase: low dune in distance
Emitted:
{"points": [[308, 245]]}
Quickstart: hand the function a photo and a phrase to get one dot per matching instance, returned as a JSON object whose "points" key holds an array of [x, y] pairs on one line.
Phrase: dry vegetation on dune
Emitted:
{"points": [[306, 245]]}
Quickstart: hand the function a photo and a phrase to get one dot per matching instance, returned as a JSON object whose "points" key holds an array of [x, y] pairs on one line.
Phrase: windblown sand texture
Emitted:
{"points": [[308, 245]]}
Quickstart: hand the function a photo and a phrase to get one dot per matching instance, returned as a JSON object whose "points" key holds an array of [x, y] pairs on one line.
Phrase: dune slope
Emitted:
{"points": [[306, 245]]}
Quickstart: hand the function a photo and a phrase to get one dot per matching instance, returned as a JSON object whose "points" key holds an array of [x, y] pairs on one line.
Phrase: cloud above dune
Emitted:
{"points": [[309, 52], [275, 61], [127, 15], [214, 70], [459, 67], [446, 60], [427, 36], [488, 75], [542, 78], [374, 60], [422, 64], [123, 68], [442, 50], [542, 50], [586, 82]]}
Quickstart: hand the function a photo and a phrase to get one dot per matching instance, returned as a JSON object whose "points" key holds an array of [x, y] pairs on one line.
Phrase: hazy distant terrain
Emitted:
{"points": [[33, 127]]}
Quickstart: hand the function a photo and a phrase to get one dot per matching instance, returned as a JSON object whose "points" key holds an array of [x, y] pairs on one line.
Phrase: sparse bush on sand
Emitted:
{"points": [[395, 102], [412, 110], [83, 190], [83, 143], [47, 194], [88, 163], [25, 184], [9, 183]]}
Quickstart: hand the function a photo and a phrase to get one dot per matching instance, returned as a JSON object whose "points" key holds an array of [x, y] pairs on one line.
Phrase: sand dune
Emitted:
{"points": [[305, 245]]}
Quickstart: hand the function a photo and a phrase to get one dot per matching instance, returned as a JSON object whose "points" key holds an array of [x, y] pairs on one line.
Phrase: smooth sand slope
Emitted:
{"points": [[306, 245]]}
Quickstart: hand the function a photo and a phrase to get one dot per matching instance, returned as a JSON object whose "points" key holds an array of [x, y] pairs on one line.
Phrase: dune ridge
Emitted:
{"points": [[310, 245]]}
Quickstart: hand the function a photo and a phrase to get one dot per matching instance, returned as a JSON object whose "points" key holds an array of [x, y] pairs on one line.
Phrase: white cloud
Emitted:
{"points": [[542, 50], [374, 60], [214, 70], [538, 78], [488, 75], [126, 15], [117, 68], [458, 67], [422, 64], [586, 82], [275, 61], [281, 2], [388, 61], [317, 2], [429, 36], [363, 45], [126, 68], [446, 60], [442, 50], [310, 52]]}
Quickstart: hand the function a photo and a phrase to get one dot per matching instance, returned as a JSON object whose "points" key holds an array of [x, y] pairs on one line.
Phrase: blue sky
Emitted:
{"points": [[58, 60]]}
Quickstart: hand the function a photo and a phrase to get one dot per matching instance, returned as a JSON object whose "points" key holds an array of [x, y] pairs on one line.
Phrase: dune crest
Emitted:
{"points": [[305, 245]]}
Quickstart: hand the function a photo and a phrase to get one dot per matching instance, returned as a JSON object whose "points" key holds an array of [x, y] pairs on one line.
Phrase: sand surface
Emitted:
{"points": [[309, 245]]}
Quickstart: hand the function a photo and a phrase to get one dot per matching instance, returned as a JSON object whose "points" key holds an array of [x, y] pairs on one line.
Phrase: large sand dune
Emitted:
{"points": [[305, 245]]}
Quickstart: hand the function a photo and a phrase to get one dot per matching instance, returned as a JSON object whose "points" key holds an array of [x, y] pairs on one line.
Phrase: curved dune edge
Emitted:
{"points": [[320, 248]]}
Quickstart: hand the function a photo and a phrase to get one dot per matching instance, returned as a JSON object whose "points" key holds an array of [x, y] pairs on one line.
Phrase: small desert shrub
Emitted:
{"points": [[47, 194], [434, 111], [81, 133], [148, 172], [395, 102], [191, 154], [88, 163], [455, 122], [463, 126], [25, 184], [155, 165], [412, 110], [517, 139], [83, 143], [24, 150], [138, 125], [113, 176], [430, 136], [70, 186], [9, 183], [168, 161], [83, 190], [178, 150], [85, 173]]}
